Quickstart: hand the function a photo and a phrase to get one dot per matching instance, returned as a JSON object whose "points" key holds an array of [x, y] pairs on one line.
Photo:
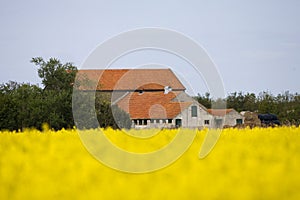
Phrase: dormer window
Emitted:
{"points": [[141, 92], [167, 89]]}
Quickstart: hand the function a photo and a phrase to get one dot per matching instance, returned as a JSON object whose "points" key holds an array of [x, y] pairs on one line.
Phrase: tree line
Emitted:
{"points": [[24, 105], [286, 105]]}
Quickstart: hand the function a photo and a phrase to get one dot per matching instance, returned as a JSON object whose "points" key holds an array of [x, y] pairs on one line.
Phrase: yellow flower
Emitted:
{"points": [[258, 163]]}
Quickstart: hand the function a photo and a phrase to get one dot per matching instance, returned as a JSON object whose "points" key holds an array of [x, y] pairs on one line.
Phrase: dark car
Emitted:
{"points": [[269, 119]]}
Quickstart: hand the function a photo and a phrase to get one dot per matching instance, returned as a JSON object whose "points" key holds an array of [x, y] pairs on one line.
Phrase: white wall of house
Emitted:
{"points": [[198, 121], [162, 123], [201, 120], [153, 123], [232, 118]]}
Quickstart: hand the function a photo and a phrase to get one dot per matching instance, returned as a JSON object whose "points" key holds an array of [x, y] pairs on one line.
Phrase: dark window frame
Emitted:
{"points": [[239, 121], [194, 111]]}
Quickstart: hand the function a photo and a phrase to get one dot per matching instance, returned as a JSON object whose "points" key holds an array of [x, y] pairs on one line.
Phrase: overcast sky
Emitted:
{"points": [[254, 44]]}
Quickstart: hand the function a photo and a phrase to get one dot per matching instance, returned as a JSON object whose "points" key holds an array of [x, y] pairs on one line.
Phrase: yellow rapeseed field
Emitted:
{"points": [[259, 163]]}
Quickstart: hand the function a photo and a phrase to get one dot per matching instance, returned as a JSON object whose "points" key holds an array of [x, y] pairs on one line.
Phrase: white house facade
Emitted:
{"points": [[226, 117]]}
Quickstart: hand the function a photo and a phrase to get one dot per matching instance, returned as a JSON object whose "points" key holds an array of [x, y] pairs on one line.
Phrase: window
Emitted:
{"points": [[194, 111], [178, 123], [152, 121], [140, 122], [219, 123], [206, 122], [145, 122], [239, 121], [141, 92], [164, 121], [135, 122], [157, 121], [170, 121]]}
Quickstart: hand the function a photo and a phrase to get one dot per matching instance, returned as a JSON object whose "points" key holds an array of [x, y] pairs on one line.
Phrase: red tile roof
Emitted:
{"points": [[219, 112], [152, 105], [130, 79]]}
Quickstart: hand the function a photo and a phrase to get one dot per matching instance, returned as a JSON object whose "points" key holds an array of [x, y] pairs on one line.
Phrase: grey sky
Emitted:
{"points": [[255, 44]]}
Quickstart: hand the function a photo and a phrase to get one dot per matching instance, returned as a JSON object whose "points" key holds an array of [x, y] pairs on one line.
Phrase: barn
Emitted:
{"points": [[154, 98]]}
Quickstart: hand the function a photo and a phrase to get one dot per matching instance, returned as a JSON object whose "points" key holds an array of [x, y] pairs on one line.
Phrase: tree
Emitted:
{"points": [[58, 80], [25, 105], [219, 103], [241, 102], [55, 75], [110, 115], [20, 106], [204, 100], [266, 103], [250, 103]]}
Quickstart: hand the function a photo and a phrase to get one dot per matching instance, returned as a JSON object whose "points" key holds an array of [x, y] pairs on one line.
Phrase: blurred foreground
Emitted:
{"points": [[259, 163]]}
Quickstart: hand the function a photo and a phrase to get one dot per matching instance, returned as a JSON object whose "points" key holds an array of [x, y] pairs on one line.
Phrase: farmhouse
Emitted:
{"points": [[154, 98], [229, 117]]}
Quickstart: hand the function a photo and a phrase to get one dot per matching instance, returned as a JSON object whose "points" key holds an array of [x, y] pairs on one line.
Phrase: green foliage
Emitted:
{"points": [[25, 105], [58, 80], [55, 75], [240, 101], [219, 104], [84, 112], [286, 105], [20, 106], [110, 115], [205, 100], [92, 110]]}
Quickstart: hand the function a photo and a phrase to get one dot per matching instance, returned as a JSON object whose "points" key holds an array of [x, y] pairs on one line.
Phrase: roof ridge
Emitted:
{"points": [[128, 69], [132, 79]]}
